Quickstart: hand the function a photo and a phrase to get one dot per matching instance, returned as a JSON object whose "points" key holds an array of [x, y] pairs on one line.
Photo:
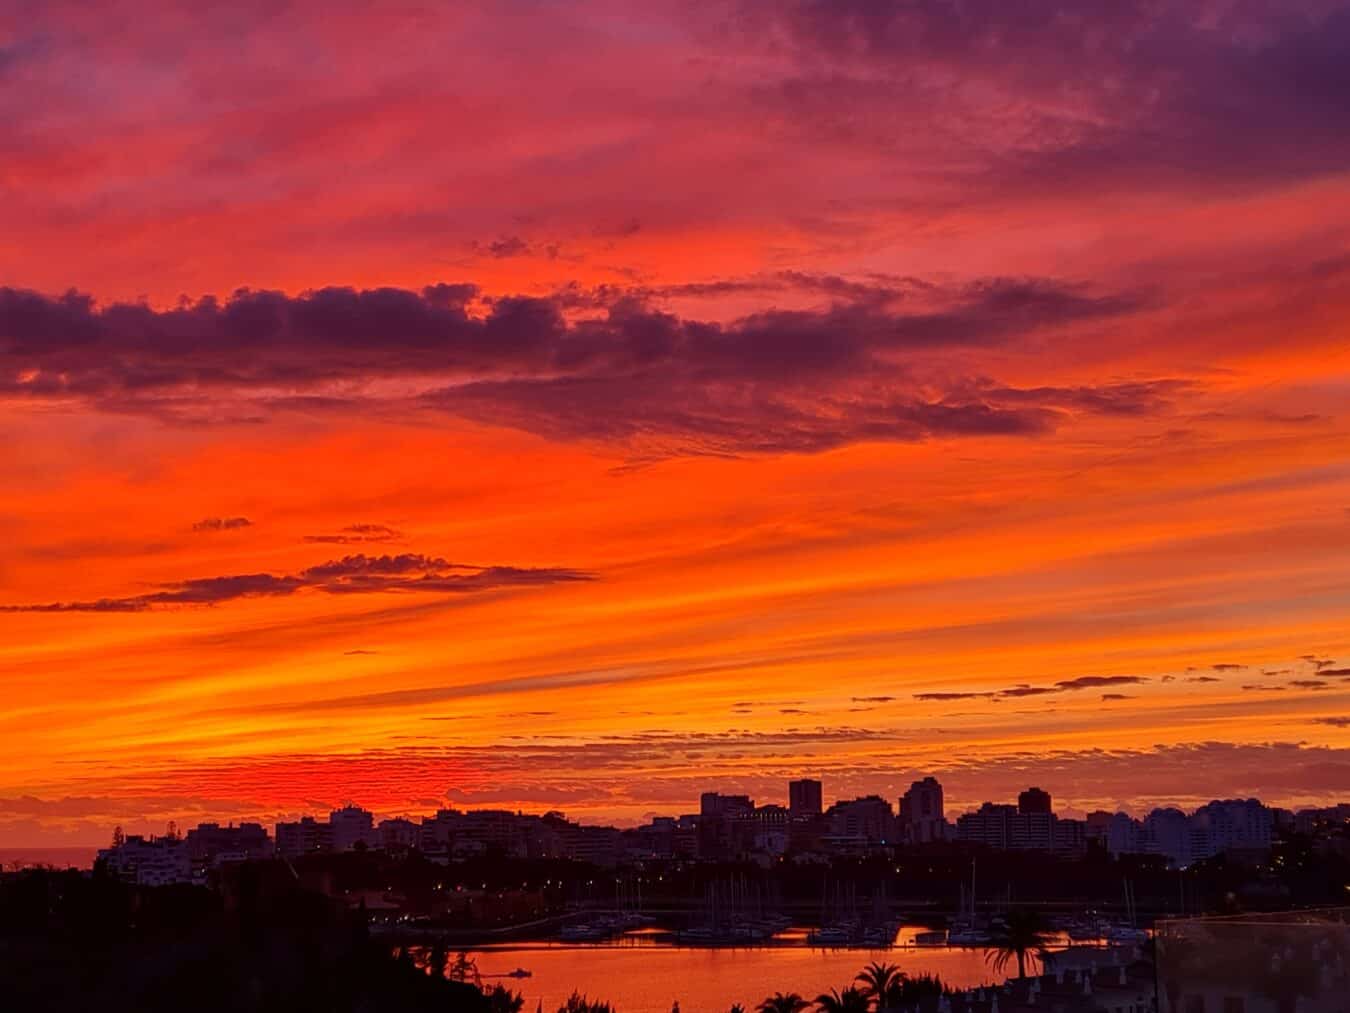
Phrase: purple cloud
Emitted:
{"points": [[780, 380], [354, 533], [1017, 692], [358, 574], [1101, 95], [222, 524]]}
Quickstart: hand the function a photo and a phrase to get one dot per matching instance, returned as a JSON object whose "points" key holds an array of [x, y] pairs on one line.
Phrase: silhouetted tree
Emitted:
{"points": [[578, 1003], [907, 991], [879, 981], [503, 1000], [783, 1002], [1025, 931], [464, 969], [850, 1000]]}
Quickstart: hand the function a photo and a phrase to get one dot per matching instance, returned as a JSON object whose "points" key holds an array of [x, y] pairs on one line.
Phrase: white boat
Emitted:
{"points": [[933, 937]]}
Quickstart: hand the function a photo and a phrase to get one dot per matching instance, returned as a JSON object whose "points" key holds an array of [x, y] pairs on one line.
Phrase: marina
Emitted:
{"points": [[646, 972]]}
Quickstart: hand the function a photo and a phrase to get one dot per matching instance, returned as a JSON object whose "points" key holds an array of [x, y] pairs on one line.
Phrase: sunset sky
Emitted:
{"points": [[583, 406]]}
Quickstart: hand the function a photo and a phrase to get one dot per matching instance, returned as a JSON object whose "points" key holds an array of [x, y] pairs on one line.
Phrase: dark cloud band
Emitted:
{"points": [[358, 574], [882, 362]]}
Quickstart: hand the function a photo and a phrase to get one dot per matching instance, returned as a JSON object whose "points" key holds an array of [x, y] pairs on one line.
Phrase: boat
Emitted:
{"points": [[879, 937], [1127, 931], [933, 937], [520, 972], [698, 934], [1085, 932], [965, 931], [967, 936], [1126, 934], [830, 935], [734, 913], [581, 934]]}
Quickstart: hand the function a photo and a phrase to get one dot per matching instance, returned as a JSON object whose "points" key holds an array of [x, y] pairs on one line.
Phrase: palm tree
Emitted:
{"points": [[879, 981], [1025, 931], [906, 991], [783, 1002], [850, 1000]]}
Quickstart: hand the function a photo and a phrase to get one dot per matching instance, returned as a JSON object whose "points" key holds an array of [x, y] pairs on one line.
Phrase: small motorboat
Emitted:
{"points": [[520, 972]]}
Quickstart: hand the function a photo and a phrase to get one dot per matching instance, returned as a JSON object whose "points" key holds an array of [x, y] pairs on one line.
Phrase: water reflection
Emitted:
{"points": [[641, 972]]}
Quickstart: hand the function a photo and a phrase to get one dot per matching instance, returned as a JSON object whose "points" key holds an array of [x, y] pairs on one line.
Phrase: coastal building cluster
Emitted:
{"points": [[732, 827]]}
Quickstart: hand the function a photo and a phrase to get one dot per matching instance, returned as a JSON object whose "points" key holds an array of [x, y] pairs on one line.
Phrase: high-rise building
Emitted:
{"points": [[1117, 832], [1021, 827], [718, 815], [353, 827], [397, 834], [303, 837], [990, 825], [713, 804], [1167, 831], [804, 798], [1033, 800], [769, 828], [154, 862], [1070, 836], [1229, 824], [922, 819], [210, 844], [1032, 831], [861, 822]]}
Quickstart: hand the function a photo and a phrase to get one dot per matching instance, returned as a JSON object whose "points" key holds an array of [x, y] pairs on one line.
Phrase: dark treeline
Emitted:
{"points": [[69, 941]]}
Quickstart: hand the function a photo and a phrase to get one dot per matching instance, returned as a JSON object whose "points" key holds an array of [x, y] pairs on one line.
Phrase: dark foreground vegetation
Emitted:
{"points": [[73, 942], [77, 943]]}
